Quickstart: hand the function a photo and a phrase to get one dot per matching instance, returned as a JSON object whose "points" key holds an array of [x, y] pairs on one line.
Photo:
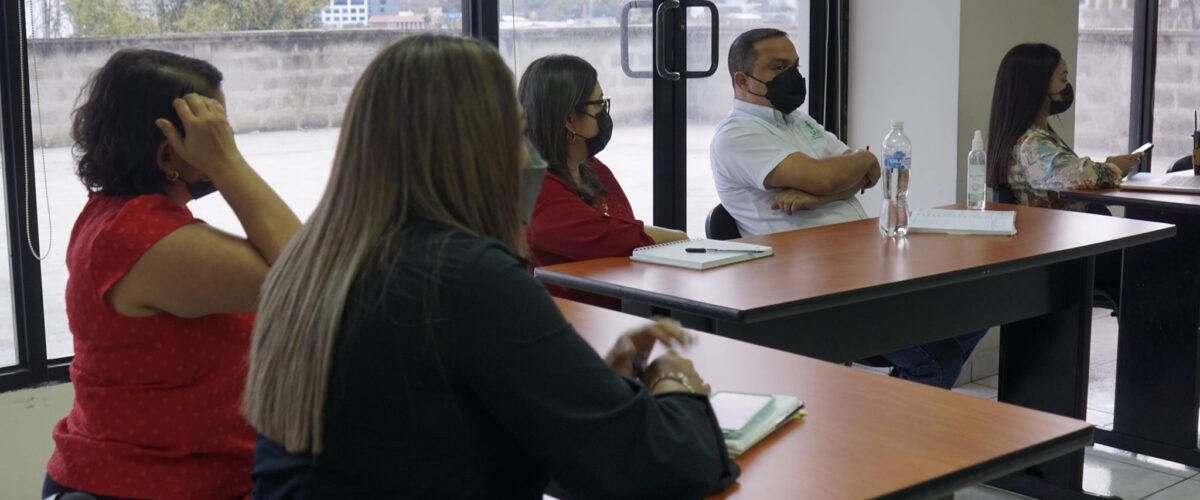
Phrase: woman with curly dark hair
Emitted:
{"points": [[159, 302]]}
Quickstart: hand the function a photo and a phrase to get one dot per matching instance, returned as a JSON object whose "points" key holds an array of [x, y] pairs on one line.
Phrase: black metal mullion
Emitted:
{"points": [[828, 56], [1141, 97], [670, 129], [481, 19], [841, 99], [28, 316]]}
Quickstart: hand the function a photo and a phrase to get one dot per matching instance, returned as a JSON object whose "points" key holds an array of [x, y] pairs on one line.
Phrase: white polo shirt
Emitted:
{"points": [[748, 145]]}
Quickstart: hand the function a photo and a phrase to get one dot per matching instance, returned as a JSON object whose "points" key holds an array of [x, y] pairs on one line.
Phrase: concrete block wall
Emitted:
{"points": [[287, 80], [274, 80]]}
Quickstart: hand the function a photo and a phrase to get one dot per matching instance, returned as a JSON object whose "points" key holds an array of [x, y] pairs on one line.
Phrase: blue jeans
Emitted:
{"points": [[936, 363]]}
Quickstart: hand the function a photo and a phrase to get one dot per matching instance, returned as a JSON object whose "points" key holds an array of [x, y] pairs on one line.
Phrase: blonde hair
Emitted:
{"points": [[431, 133]]}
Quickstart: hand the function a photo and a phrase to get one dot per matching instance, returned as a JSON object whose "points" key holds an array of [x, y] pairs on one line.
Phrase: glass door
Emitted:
{"points": [[621, 39]]}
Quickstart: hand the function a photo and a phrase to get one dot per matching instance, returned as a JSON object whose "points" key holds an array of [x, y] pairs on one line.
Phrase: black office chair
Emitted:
{"points": [[1181, 164], [720, 225], [1003, 194]]}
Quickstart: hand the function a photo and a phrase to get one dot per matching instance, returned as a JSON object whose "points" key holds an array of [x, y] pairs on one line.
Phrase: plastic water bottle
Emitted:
{"points": [[976, 173], [897, 160]]}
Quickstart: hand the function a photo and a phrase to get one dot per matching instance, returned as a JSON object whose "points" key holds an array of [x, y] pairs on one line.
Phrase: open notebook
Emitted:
{"points": [[937, 220], [700, 254], [747, 418]]}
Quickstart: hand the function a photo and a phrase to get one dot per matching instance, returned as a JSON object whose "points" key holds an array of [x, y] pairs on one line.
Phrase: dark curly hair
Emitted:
{"points": [[113, 129]]}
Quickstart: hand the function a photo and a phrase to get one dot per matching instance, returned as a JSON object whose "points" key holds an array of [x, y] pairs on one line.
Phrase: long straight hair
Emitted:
{"points": [[1020, 92], [551, 89], [430, 133]]}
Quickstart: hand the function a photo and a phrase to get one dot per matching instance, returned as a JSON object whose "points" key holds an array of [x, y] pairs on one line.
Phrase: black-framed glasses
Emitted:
{"points": [[605, 104]]}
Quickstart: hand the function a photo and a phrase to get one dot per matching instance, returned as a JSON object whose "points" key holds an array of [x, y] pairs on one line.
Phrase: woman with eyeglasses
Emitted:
{"points": [[582, 212]]}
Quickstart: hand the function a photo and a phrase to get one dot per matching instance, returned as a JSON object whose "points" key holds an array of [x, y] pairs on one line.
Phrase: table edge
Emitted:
{"points": [[776, 311], [1104, 198], [1000, 466]]}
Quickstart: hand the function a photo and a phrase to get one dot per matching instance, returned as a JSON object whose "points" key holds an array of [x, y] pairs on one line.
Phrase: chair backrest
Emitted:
{"points": [[1004, 195], [1181, 164], [720, 225]]}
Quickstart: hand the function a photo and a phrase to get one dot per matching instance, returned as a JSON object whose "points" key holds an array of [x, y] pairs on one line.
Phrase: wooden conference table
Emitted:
{"points": [[1158, 373], [842, 292], [866, 436]]}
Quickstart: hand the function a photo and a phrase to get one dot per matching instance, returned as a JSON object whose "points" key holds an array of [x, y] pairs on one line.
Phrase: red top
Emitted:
{"points": [[564, 229], [157, 399]]}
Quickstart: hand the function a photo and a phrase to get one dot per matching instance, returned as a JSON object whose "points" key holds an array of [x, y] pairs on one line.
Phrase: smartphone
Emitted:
{"points": [[735, 410], [1145, 147]]}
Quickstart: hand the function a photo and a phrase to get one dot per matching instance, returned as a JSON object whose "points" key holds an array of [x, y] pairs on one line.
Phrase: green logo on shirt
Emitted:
{"points": [[815, 132]]}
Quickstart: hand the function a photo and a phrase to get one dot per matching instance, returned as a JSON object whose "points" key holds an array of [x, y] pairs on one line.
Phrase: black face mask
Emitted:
{"points": [[786, 91], [595, 144], [200, 189], [1066, 97]]}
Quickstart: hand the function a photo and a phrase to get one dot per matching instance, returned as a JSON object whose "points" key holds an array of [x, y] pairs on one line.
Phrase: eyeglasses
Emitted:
{"points": [[605, 104]]}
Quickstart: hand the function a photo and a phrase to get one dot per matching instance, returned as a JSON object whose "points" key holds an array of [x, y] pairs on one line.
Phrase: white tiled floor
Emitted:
{"points": [[1107, 471]]}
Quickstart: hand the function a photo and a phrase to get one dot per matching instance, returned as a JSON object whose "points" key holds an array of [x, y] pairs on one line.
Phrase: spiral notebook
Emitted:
{"points": [[700, 254], [986, 222]]}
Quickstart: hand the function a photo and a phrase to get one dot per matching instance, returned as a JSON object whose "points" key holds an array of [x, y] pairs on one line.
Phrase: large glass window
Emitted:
{"points": [[591, 29], [288, 70], [1102, 78], [1176, 93]]}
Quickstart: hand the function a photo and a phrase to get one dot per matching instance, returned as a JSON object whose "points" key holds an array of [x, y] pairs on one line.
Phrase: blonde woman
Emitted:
{"points": [[402, 349]]}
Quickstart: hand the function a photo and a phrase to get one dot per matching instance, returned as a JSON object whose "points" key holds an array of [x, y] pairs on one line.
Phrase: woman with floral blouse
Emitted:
{"points": [[1025, 154], [1030, 159]]}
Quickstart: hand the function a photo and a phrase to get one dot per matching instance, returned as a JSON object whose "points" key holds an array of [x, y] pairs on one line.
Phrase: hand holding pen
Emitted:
{"points": [[872, 175]]}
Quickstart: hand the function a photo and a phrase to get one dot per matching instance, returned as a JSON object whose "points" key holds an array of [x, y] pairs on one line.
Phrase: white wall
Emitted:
{"points": [[904, 66], [26, 418]]}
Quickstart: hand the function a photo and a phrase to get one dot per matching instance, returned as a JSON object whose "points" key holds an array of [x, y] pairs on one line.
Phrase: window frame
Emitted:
{"points": [[1141, 91]]}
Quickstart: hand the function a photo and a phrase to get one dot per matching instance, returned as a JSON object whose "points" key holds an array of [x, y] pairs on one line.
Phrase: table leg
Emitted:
{"points": [[1157, 391], [1044, 365]]}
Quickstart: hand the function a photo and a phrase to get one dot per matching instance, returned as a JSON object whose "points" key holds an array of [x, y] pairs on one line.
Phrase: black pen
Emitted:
{"points": [[864, 189], [707, 250]]}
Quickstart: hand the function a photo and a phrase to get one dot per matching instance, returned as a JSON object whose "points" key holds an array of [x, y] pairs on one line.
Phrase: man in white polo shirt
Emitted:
{"points": [[777, 169]]}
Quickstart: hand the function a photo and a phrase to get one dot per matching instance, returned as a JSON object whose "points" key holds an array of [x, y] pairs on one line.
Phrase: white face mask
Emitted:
{"points": [[531, 181]]}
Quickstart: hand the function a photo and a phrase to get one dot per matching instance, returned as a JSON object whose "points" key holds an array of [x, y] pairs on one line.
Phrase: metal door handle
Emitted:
{"points": [[637, 4], [716, 38], [660, 41]]}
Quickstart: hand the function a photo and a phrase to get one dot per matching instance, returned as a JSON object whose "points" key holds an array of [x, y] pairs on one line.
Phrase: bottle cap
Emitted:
{"points": [[898, 124], [977, 142]]}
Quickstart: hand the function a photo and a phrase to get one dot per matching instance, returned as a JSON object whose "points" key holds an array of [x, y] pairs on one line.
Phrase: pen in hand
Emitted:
{"points": [[864, 188]]}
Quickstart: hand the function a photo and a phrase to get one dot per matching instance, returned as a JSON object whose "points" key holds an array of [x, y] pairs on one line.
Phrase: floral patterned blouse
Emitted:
{"points": [[1042, 164]]}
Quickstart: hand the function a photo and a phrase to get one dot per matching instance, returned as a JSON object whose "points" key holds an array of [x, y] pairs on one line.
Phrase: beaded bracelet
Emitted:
{"points": [[676, 376]]}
